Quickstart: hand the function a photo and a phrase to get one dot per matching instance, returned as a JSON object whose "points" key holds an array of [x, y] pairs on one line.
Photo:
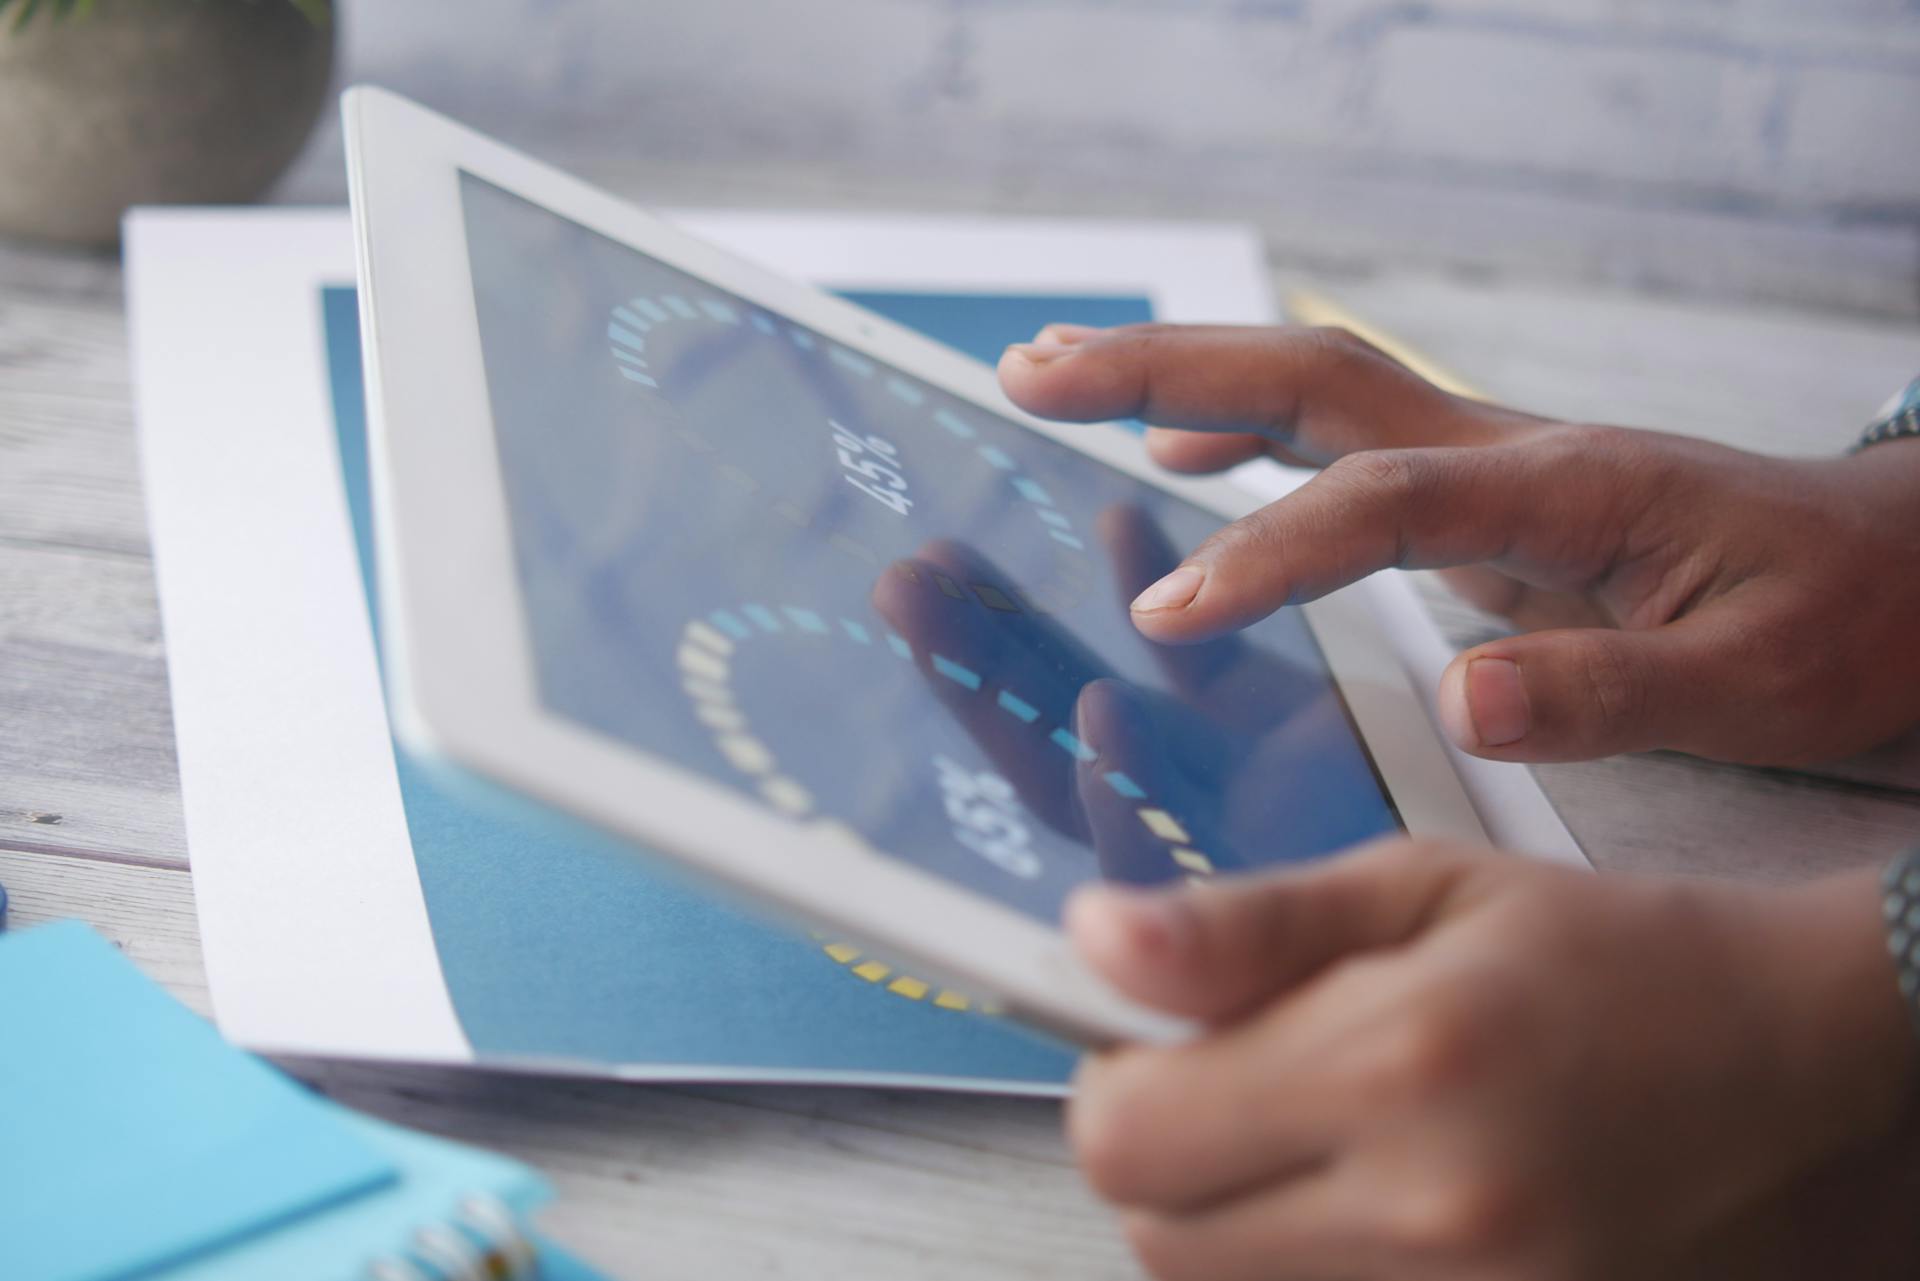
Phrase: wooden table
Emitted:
{"points": [[663, 1182]]}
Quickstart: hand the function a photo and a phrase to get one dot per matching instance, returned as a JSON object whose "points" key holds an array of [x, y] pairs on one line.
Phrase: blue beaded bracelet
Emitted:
{"points": [[1901, 883], [1901, 419]]}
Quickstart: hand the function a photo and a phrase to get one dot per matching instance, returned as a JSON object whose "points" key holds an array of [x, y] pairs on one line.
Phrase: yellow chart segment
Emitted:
{"points": [[707, 650], [884, 976]]}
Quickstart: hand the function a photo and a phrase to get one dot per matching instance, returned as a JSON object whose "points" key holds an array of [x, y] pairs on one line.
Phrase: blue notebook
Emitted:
{"points": [[135, 1143]]}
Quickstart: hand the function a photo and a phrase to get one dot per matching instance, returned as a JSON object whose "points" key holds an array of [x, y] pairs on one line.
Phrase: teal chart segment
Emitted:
{"points": [[558, 943]]}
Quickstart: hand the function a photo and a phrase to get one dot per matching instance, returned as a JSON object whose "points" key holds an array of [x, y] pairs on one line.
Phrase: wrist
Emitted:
{"points": [[1846, 1040], [1890, 467]]}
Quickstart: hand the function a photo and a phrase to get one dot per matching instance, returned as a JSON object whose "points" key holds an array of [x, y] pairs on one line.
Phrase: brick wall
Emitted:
{"points": [[1760, 149]]}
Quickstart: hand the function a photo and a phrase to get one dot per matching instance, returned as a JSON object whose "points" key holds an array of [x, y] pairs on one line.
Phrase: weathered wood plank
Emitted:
{"points": [[147, 912], [69, 474], [1770, 380], [86, 729], [657, 1181], [1675, 814], [752, 1183], [56, 271]]}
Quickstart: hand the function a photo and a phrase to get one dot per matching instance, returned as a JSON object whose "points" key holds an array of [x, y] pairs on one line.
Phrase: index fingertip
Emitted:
{"points": [[1089, 381], [1021, 374], [1061, 331]]}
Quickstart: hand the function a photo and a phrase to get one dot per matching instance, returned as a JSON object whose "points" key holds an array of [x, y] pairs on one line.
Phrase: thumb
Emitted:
{"points": [[1579, 693], [1213, 950]]}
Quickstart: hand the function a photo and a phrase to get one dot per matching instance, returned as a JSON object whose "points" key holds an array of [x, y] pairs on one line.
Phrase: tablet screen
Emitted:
{"points": [[791, 567]]}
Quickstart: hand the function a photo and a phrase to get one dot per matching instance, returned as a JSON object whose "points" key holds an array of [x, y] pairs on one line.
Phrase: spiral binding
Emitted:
{"points": [[484, 1241]]}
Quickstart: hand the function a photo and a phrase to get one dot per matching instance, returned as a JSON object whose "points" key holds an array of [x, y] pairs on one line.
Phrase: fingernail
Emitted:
{"points": [[1062, 332], [1040, 353], [1116, 920], [1175, 591], [1497, 701]]}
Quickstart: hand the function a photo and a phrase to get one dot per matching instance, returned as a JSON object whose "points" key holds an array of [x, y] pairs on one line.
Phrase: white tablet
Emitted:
{"points": [[795, 597]]}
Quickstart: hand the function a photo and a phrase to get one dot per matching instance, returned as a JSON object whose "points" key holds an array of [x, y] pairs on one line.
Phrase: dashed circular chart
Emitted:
{"points": [[708, 650], [634, 324], [709, 645]]}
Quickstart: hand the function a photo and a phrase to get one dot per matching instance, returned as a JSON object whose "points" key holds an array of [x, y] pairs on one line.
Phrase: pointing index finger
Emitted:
{"points": [[1539, 508], [1314, 393]]}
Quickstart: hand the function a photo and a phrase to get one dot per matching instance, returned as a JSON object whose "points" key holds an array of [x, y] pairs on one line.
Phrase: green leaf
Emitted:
{"points": [[317, 12]]}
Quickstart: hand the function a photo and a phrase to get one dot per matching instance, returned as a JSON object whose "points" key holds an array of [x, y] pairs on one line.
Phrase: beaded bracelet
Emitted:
{"points": [[1901, 885], [1900, 420]]}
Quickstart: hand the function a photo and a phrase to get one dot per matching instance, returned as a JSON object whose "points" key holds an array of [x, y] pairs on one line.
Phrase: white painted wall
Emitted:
{"points": [[1764, 149]]}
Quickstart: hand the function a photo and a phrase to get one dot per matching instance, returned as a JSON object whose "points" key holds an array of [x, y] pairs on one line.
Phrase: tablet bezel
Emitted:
{"points": [[461, 670]]}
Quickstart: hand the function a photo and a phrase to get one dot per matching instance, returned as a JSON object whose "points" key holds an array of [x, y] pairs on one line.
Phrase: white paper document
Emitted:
{"points": [[349, 909]]}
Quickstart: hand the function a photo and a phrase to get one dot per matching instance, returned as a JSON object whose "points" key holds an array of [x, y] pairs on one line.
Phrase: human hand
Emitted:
{"points": [[1672, 593], [1428, 1061]]}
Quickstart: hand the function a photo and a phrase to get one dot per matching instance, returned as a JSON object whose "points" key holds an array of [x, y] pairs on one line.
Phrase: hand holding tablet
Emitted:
{"points": [[1426, 1059]]}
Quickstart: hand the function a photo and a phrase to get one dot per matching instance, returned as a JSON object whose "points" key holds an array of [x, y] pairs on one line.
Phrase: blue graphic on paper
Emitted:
{"points": [[560, 943]]}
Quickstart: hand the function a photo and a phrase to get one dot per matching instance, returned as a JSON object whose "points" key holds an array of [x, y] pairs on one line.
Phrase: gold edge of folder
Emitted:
{"points": [[1310, 307]]}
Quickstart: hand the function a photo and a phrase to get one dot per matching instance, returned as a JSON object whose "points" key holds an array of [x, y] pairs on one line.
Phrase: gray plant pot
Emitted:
{"points": [[151, 101]]}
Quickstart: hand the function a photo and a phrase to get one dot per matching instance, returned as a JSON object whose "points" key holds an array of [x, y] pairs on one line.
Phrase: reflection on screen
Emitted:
{"points": [[857, 599]]}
